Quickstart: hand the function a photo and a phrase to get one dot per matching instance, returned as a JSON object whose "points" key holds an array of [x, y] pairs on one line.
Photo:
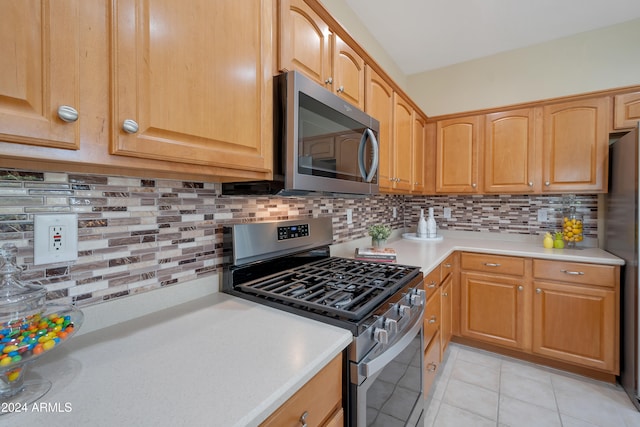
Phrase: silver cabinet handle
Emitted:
{"points": [[340, 89], [538, 291], [573, 273], [303, 418], [491, 264], [431, 367], [433, 320], [530, 183], [520, 288], [67, 114], [130, 126], [445, 294], [474, 185], [329, 80], [447, 265], [432, 285], [547, 183]]}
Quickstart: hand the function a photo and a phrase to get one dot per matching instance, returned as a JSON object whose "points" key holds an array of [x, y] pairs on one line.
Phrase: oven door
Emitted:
{"points": [[391, 392]]}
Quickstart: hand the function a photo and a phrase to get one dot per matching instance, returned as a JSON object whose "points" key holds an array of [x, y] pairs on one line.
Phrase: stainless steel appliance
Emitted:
{"points": [[621, 225], [321, 143], [287, 265]]}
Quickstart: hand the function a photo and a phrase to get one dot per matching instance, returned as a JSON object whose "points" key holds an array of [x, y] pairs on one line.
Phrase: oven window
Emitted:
{"points": [[328, 142], [394, 396]]}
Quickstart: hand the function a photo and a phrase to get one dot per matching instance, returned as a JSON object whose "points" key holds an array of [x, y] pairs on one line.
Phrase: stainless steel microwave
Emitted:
{"points": [[322, 143]]}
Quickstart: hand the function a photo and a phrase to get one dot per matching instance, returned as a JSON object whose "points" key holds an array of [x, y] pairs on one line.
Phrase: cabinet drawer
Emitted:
{"points": [[431, 363], [320, 398], [431, 317], [575, 272], [492, 263], [432, 281], [447, 266]]}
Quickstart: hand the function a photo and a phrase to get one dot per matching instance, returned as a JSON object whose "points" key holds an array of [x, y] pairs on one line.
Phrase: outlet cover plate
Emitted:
{"points": [[55, 238]]}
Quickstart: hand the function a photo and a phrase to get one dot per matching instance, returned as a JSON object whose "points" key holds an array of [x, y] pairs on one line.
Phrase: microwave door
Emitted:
{"points": [[362, 155]]}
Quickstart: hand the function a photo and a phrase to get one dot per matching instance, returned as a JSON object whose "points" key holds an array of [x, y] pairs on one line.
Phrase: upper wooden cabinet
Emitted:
{"points": [[402, 144], [307, 44], [457, 155], [510, 150], [626, 110], [420, 152], [379, 104], [575, 145], [195, 80], [40, 73]]}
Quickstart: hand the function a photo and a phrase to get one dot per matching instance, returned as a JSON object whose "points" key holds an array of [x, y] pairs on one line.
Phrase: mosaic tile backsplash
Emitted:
{"points": [[136, 235]]}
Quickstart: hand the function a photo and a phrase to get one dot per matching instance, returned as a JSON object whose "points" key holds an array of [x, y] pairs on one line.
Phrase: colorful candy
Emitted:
{"points": [[31, 336]]}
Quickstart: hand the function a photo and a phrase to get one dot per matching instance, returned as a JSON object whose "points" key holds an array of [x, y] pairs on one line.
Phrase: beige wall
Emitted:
{"points": [[595, 60]]}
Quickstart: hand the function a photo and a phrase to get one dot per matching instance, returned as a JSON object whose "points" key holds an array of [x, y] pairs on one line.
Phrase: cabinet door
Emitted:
{"points": [[39, 72], [402, 144], [379, 105], [446, 313], [576, 324], [493, 309], [457, 145], [626, 110], [348, 75], [576, 145], [419, 153], [305, 41], [510, 152], [197, 80]]}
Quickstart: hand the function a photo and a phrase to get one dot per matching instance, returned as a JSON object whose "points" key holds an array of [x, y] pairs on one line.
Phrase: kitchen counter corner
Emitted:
{"points": [[216, 361]]}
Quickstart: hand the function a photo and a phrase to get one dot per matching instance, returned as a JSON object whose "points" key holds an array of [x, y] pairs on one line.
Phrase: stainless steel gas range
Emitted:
{"points": [[287, 265]]}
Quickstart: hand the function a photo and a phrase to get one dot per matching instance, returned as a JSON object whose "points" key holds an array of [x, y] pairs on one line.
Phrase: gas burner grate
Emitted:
{"points": [[338, 286]]}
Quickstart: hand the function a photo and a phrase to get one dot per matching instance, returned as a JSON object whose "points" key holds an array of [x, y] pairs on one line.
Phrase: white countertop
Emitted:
{"points": [[216, 361], [428, 254]]}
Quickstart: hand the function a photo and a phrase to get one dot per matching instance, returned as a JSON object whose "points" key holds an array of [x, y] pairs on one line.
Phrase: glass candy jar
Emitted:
{"points": [[572, 227], [29, 328]]}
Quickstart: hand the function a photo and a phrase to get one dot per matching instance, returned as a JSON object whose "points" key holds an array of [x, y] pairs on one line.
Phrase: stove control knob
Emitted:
{"points": [[416, 299], [404, 310], [391, 325], [381, 335]]}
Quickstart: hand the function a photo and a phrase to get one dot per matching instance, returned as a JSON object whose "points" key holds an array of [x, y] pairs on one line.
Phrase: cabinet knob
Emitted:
{"points": [[433, 320], [340, 89], [538, 291], [67, 114], [303, 419], [521, 288], [474, 185], [415, 183], [329, 80], [445, 294], [530, 184], [130, 126], [431, 367], [547, 183]]}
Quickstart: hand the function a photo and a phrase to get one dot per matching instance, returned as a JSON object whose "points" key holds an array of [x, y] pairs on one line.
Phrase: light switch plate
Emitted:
{"points": [[55, 238]]}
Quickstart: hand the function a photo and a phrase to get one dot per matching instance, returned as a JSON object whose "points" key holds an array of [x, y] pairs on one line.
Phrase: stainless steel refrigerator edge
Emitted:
{"points": [[621, 219]]}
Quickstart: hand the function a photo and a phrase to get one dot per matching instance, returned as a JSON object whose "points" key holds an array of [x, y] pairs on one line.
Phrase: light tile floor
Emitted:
{"points": [[475, 388]]}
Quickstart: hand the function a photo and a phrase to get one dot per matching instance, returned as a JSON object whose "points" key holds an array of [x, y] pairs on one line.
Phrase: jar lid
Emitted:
{"points": [[17, 299]]}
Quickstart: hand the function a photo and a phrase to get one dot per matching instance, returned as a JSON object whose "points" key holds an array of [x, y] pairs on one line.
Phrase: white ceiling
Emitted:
{"points": [[422, 35]]}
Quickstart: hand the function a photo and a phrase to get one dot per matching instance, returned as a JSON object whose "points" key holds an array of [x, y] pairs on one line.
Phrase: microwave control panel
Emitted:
{"points": [[293, 231]]}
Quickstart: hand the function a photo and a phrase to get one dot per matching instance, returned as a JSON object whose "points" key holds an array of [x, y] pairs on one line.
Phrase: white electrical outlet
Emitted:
{"points": [[542, 215], [55, 238], [447, 213], [349, 216], [395, 212]]}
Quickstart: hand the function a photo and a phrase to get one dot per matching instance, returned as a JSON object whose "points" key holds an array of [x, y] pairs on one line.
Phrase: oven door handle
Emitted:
{"points": [[373, 366]]}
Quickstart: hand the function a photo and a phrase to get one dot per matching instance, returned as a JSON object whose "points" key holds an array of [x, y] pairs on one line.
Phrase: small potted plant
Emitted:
{"points": [[379, 234]]}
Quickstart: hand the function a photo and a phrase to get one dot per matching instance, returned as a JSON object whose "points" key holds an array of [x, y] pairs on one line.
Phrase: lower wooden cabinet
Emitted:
{"points": [[317, 403], [431, 363], [557, 310], [446, 313]]}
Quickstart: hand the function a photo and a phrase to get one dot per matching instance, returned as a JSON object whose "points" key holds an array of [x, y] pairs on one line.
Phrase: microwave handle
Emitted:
{"points": [[368, 134]]}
